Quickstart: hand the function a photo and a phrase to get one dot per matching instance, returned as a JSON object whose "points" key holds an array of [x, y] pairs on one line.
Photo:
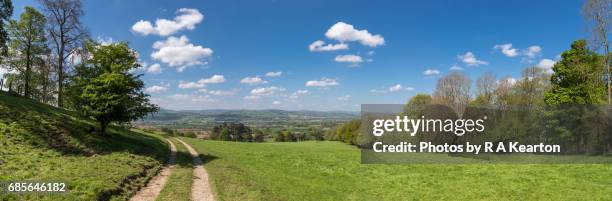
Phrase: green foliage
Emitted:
{"points": [[28, 47], [232, 132], [577, 77], [348, 132], [6, 11], [108, 91]]}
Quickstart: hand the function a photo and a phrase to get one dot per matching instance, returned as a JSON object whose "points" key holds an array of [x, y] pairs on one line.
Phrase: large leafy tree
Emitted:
{"points": [[6, 10], [577, 77], [109, 91], [28, 45]]}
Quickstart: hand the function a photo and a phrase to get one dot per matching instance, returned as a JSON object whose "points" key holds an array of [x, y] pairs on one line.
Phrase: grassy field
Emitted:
{"points": [[43, 143], [178, 186], [332, 171]]}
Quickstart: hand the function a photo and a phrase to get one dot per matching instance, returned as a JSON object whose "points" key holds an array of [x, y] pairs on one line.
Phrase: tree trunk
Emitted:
{"points": [[60, 79], [103, 126]]}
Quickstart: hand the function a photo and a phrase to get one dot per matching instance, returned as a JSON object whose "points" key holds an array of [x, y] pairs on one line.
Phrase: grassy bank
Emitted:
{"points": [[44, 143], [332, 171]]}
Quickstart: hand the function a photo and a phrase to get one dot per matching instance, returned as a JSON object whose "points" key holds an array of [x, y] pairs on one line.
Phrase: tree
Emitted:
{"points": [[485, 89], [66, 33], [110, 93], [6, 11], [599, 13], [532, 86], [576, 78], [28, 45], [453, 90], [258, 136]]}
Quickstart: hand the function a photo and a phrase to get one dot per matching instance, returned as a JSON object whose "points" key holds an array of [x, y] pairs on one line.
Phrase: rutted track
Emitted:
{"points": [[201, 189], [151, 191]]}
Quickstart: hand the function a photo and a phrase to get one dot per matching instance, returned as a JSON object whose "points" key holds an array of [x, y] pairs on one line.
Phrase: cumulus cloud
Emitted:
{"points": [[215, 79], [186, 18], [533, 51], [274, 74], [547, 64], [507, 50], [222, 93], [253, 80], [155, 89], [178, 52], [266, 91], [344, 32], [349, 58], [394, 88], [470, 59], [320, 46], [456, 67], [154, 69], [276, 102], [299, 93], [324, 82], [430, 72]]}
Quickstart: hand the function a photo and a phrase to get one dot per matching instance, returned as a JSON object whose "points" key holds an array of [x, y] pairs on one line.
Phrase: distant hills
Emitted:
{"points": [[199, 118]]}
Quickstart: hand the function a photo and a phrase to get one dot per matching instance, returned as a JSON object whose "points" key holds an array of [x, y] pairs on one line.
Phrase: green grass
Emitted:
{"points": [[332, 171], [43, 143], [178, 186]]}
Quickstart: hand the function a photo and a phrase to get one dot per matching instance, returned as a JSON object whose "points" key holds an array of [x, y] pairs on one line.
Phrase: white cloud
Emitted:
{"points": [[344, 32], [155, 69], [266, 91], [192, 98], [104, 41], [344, 98], [253, 80], [155, 89], [394, 88], [222, 93], [371, 52], [215, 79], [507, 50], [276, 102], [431, 72], [186, 18], [547, 64], [470, 59], [324, 82], [297, 94], [456, 67], [274, 74], [349, 58], [533, 51], [190, 85], [319, 46], [178, 52]]}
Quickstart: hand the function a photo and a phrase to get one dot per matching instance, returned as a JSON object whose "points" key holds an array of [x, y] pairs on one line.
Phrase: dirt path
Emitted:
{"points": [[155, 185], [201, 189]]}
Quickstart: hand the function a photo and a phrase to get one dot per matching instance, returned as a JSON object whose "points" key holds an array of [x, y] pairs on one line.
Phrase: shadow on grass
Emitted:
{"points": [[207, 158], [43, 126]]}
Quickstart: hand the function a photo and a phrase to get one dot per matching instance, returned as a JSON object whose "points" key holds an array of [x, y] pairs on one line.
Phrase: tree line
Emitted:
{"points": [[571, 104], [50, 58]]}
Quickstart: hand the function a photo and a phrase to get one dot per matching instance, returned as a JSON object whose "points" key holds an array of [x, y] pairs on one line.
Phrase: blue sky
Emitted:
{"points": [[389, 43]]}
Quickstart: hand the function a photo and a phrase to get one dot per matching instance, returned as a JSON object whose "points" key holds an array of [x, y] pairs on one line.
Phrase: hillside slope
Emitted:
{"points": [[47, 144]]}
